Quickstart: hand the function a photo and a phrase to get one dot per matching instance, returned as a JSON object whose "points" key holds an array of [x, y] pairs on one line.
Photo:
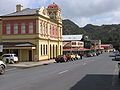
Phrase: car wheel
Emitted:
{"points": [[119, 74], [2, 69], [11, 61]]}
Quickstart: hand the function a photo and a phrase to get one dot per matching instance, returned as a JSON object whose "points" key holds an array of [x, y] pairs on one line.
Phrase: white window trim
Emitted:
{"points": [[8, 28]]}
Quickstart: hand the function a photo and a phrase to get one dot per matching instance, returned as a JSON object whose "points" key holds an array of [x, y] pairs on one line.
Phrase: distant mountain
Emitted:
{"points": [[106, 33], [70, 27]]}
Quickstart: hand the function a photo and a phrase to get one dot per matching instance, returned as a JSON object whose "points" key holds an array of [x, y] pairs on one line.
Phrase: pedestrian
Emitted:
{"points": [[80, 55]]}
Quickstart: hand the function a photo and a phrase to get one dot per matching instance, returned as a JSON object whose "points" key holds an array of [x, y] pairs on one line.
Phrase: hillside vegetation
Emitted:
{"points": [[106, 33]]}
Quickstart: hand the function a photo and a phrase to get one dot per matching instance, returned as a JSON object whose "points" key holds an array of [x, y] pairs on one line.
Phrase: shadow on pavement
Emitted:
{"points": [[98, 82]]}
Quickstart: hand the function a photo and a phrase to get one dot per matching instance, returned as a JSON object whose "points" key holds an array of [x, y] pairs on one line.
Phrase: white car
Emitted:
{"points": [[10, 58], [77, 56], [2, 67]]}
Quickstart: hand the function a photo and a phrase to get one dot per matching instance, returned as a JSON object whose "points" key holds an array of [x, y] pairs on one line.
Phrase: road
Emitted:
{"points": [[94, 73]]}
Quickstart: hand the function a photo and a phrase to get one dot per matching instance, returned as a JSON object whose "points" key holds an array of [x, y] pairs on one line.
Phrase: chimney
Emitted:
{"points": [[18, 7]]}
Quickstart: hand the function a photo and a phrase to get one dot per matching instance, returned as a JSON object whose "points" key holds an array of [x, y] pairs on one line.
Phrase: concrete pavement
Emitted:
{"points": [[31, 64]]}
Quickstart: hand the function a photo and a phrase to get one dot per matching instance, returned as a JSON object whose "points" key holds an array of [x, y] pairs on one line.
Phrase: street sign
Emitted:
{"points": [[1, 48]]}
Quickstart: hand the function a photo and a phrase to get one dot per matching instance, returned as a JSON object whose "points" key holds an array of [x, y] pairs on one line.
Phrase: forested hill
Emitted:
{"points": [[107, 33], [70, 28]]}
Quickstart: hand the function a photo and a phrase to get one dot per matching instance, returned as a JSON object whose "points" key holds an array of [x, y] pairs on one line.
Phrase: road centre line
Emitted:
{"points": [[84, 63], [63, 71]]}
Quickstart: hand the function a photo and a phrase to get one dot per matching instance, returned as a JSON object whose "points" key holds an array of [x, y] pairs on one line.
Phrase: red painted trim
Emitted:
{"points": [[27, 27], [19, 28], [3, 28], [12, 28]]}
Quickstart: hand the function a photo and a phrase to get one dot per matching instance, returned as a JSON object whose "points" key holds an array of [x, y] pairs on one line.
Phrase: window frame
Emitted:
{"points": [[23, 28], [15, 28], [8, 28]]}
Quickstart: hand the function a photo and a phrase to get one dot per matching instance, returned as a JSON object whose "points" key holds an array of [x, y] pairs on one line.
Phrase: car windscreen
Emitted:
{"points": [[15, 55]]}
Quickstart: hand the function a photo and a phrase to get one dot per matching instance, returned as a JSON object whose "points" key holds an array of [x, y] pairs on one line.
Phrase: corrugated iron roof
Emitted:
{"points": [[72, 37], [26, 11]]}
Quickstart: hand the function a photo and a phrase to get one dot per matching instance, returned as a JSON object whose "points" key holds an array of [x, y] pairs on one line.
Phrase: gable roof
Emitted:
{"points": [[72, 37], [29, 12], [23, 12]]}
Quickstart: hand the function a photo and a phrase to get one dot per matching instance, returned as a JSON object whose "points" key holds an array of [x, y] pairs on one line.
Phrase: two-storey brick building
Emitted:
{"points": [[33, 34]]}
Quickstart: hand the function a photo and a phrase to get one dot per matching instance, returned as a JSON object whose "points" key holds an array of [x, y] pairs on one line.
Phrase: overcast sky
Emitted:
{"points": [[81, 12]]}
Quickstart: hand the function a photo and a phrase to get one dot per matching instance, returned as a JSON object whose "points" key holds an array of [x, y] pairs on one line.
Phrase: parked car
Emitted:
{"points": [[2, 67], [73, 57], [117, 57], [112, 55], [10, 58], [77, 56], [61, 58], [70, 57], [94, 54], [89, 55]]}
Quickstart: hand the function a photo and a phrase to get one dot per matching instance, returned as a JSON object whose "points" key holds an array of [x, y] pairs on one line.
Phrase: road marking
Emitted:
{"points": [[92, 60], [10, 69], [63, 71], [114, 76], [84, 63]]}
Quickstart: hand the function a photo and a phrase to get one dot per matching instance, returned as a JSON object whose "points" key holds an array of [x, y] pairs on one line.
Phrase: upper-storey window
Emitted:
{"points": [[23, 28], [8, 28], [30, 27], [15, 28], [73, 43]]}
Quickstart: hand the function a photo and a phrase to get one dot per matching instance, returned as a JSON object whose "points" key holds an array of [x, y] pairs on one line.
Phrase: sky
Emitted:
{"points": [[81, 12]]}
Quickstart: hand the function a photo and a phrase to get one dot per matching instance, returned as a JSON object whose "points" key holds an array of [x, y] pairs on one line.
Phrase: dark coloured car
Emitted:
{"points": [[61, 58], [89, 55], [117, 57]]}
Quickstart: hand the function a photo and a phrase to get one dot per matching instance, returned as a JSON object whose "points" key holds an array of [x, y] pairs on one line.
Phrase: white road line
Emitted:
{"points": [[84, 63], [63, 71], [10, 69], [92, 60], [114, 77]]}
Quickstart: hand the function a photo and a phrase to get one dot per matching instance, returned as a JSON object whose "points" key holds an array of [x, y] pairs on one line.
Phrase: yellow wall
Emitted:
{"points": [[37, 39]]}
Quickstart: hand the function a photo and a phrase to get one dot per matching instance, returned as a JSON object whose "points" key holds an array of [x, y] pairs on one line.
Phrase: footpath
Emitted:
{"points": [[31, 64]]}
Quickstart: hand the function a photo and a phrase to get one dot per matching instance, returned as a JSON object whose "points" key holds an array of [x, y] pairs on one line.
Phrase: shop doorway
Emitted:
{"points": [[30, 55]]}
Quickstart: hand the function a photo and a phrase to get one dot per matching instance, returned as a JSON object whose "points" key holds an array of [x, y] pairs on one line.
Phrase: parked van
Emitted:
{"points": [[10, 58]]}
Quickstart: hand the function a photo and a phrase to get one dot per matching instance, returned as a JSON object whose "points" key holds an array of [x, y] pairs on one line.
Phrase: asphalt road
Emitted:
{"points": [[95, 73]]}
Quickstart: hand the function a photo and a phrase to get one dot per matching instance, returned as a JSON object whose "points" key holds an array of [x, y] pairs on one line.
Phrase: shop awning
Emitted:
{"points": [[17, 45]]}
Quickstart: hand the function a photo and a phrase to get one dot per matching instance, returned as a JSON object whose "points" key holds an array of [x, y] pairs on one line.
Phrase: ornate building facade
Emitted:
{"points": [[33, 34]]}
